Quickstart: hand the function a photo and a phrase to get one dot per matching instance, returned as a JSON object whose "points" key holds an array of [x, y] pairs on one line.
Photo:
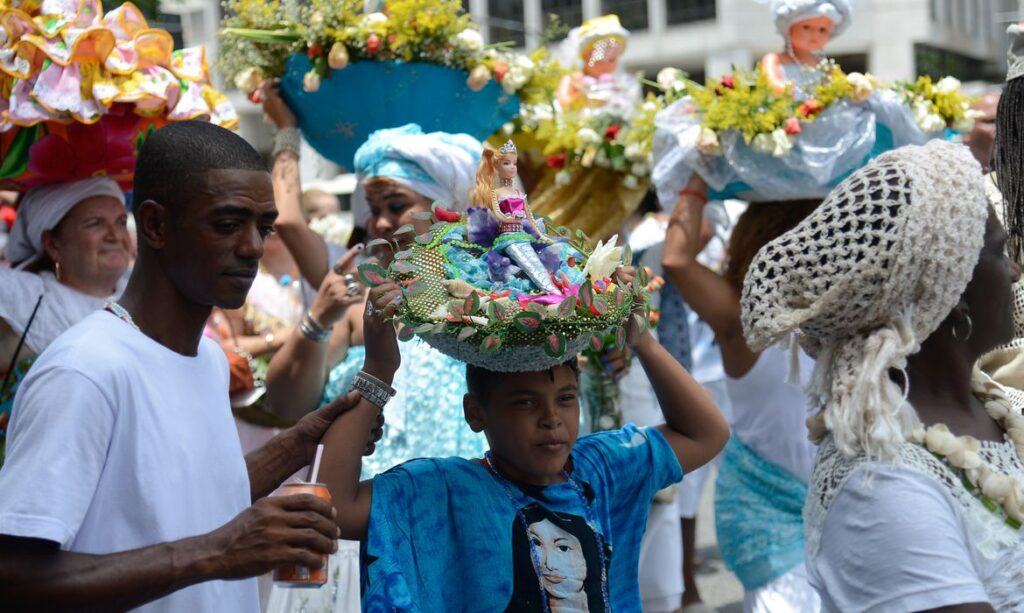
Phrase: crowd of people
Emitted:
{"points": [[847, 369]]}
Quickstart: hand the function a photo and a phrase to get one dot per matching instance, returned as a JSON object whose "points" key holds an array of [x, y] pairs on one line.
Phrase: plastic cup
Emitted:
{"points": [[295, 575]]}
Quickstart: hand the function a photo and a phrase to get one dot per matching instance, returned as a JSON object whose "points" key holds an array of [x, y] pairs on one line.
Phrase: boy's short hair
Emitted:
{"points": [[479, 380]]}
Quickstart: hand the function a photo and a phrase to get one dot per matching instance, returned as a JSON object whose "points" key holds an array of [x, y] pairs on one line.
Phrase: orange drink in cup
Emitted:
{"points": [[295, 575]]}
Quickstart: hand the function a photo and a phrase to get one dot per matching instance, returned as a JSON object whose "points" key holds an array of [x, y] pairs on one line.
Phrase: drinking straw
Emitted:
{"points": [[315, 469]]}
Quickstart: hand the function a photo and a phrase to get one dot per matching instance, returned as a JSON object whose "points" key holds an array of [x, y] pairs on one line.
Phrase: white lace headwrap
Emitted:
{"points": [[866, 278], [787, 12]]}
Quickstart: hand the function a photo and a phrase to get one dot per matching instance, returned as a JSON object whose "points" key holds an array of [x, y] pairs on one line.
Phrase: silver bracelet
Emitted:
{"points": [[373, 389], [313, 330], [287, 139]]}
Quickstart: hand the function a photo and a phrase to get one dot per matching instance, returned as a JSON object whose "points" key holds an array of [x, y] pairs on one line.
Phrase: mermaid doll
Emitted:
{"points": [[496, 190]]}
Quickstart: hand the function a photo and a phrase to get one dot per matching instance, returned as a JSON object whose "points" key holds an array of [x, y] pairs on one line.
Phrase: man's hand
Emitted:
{"points": [[310, 429], [273, 532]]}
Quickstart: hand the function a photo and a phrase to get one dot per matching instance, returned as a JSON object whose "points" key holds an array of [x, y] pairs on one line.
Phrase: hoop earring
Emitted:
{"points": [[970, 329], [56, 270]]}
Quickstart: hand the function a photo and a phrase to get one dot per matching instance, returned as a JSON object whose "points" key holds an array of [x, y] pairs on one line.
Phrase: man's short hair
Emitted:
{"points": [[479, 380], [174, 160]]}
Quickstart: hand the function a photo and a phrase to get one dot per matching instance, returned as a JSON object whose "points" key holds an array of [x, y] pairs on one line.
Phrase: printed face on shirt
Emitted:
{"points": [[531, 421], [216, 241], [556, 562], [563, 569]]}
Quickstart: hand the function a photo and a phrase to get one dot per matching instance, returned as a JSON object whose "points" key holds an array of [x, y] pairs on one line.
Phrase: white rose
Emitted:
{"points": [[630, 182], [940, 440], [478, 78], [247, 80], [862, 86], [604, 260], [997, 487], [469, 39], [508, 128], [649, 106], [707, 142], [316, 20], [563, 177], [311, 82], [588, 136], [514, 80], [368, 21], [639, 169], [947, 85], [670, 79], [524, 62], [634, 153]]}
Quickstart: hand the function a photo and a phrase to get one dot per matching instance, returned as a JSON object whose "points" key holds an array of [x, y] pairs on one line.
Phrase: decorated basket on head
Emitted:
{"points": [[349, 67], [796, 125], [499, 289], [80, 90]]}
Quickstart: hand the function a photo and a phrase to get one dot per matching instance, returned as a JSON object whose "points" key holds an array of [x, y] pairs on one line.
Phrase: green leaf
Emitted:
{"points": [[597, 342], [423, 328], [372, 274], [601, 307], [378, 242], [586, 295], [437, 329], [537, 308], [423, 239], [406, 229], [497, 311], [620, 337], [402, 267], [526, 322], [490, 344], [465, 333], [416, 287], [457, 308], [618, 296], [555, 345], [472, 304], [405, 254], [264, 36], [423, 215], [641, 322], [406, 334], [567, 307], [627, 255], [642, 278]]}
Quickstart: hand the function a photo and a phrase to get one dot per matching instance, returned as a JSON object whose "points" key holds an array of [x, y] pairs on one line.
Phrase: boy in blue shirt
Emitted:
{"points": [[544, 522]]}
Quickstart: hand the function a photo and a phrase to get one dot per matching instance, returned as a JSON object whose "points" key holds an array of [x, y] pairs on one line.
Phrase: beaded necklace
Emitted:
{"points": [[534, 554]]}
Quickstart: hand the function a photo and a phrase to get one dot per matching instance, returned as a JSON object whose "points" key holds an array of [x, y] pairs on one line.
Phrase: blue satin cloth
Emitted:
{"points": [[842, 139], [758, 516], [367, 96]]}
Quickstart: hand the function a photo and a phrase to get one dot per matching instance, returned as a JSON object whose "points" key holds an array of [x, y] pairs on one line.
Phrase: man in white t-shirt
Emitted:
{"points": [[125, 482]]}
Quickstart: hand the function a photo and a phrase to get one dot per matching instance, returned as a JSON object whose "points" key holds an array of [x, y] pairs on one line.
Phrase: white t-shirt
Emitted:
{"points": [[116, 442], [895, 540]]}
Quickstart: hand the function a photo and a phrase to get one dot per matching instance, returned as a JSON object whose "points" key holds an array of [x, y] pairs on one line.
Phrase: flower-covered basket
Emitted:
{"points": [[497, 331], [349, 104]]}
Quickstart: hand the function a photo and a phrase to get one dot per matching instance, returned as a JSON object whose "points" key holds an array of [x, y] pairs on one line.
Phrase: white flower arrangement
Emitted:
{"points": [[470, 40], [604, 260], [776, 142]]}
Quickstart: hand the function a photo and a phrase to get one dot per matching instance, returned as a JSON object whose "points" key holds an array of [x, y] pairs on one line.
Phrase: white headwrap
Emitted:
{"points": [[439, 166], [788, 12], [42, 208]]}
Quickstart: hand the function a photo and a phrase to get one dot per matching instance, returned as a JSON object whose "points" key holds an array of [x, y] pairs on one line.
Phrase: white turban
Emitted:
{"points": [[42, 208], [438, 165], [788, 12]]}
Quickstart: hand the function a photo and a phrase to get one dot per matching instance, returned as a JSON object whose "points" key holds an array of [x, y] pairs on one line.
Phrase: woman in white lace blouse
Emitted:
{"points": [[897, 284]]}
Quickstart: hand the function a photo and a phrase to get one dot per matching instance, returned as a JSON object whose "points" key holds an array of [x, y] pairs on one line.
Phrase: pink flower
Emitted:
{"points": [[792, 126], [373, 44], [103, 148]]}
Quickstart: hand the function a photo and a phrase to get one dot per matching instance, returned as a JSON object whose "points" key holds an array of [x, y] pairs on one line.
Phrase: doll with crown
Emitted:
{"points": [[797, 125], [497, 277]]}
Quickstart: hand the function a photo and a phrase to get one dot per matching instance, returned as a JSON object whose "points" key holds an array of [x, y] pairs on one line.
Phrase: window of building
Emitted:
{"points": [[569, 12], [937, 63], [688, 11], [505, 21], [632, 13]]}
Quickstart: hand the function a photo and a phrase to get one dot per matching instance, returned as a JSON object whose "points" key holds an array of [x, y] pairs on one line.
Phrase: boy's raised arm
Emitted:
{"points": [[694, 426], [345, 441]]}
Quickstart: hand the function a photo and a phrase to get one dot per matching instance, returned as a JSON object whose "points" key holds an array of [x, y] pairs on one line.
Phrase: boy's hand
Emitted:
{"points": [[382, 356]]}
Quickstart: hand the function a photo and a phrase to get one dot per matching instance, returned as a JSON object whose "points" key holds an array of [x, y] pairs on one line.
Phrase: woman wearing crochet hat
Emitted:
{"points": [[897, 284], [70, 248], [402, 172]]}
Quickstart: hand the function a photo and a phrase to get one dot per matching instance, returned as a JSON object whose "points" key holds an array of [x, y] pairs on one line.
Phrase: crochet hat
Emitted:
{"points": [[788, 12], [866, 278], [450, 301]]}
